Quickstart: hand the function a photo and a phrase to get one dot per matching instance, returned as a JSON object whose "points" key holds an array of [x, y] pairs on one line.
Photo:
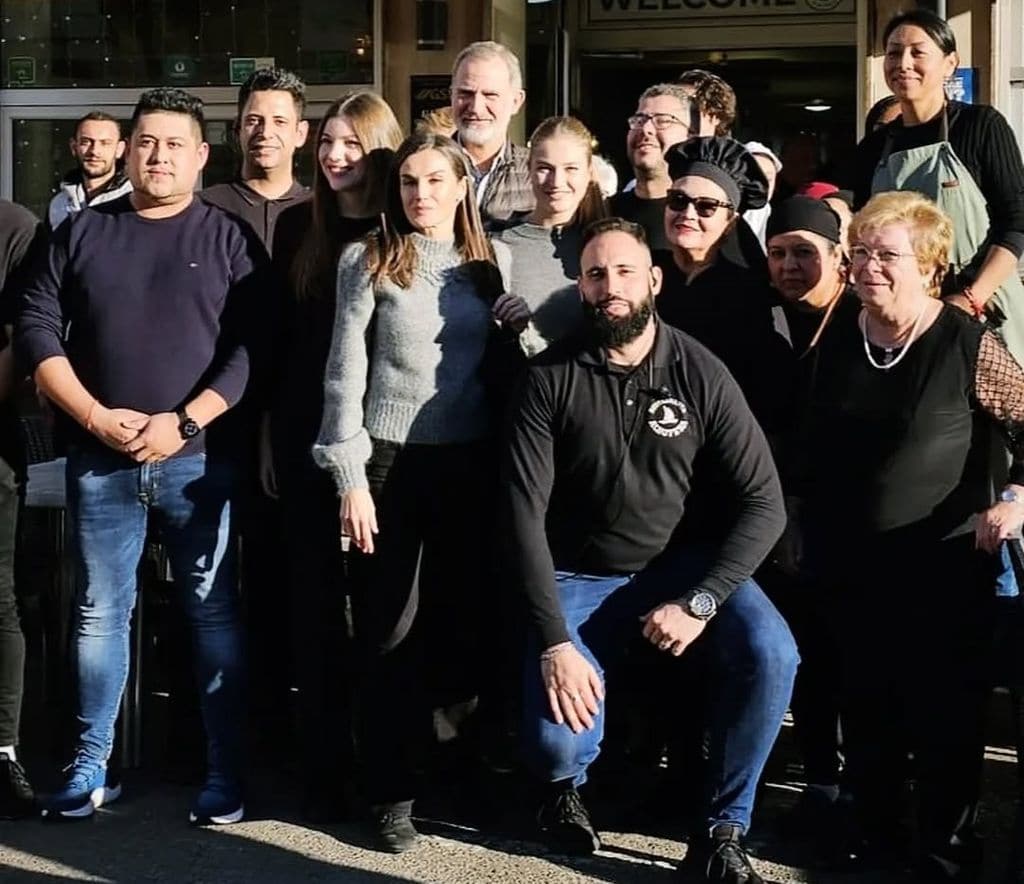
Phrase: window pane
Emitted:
{"points": [[116, 43]]}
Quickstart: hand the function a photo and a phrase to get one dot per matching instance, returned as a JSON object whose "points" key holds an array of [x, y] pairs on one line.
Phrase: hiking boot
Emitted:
{"points": [[565, 824], [393, 830], [719, 857], [86, 788], [17, 800]]}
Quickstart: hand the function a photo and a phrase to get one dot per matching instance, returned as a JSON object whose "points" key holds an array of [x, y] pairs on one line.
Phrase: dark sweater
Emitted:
{"points": [[149, 312], [599, 466], [256, 210], [986, 145]]}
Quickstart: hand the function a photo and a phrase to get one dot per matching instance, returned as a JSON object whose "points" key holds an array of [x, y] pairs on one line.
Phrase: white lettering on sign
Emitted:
{"points": [[682, 10]]}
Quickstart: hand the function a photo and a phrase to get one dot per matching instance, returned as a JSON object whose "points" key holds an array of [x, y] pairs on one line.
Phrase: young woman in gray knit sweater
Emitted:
{"points": [[406, 435], [543, 303]]}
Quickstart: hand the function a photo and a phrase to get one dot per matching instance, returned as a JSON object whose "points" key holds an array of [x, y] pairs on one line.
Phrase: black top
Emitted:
{"points": [[986, 145], [22, 243], [256, 210], [648, 213], [728, 308], [598, 469], [149, 312], [905, 452], [302, 346]]}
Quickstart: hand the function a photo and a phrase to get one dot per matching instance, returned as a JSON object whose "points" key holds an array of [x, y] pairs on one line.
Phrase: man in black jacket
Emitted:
{"points": [[607, 441]]}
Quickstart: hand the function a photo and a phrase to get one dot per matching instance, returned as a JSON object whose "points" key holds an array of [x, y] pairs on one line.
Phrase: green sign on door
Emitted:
{"points": [[21, 71]]}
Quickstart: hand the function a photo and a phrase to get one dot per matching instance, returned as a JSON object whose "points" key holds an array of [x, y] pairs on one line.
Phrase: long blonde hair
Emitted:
{"points": [[379, 134], [592, 207], [392, 253]]}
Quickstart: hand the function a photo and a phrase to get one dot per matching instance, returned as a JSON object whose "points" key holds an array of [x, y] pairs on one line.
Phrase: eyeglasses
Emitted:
{"points": [[705, 206], [661, 121], [860, 254]]}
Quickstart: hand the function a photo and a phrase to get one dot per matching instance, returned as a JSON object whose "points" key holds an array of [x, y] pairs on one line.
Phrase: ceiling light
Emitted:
{"points": [[817, 106]]}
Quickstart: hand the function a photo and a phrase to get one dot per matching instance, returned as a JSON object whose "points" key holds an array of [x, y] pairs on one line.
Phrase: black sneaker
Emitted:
{"points": [[17, 799], [392, 827], [720, 858], [565, 823]]}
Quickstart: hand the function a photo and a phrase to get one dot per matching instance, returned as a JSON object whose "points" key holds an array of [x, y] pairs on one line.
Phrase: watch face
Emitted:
{"points": [[189, 429], [702, 605], [1008, 495]]}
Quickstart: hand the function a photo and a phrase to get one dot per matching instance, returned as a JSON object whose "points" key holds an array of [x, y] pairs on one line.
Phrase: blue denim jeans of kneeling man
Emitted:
{"points": [[751, 660]]}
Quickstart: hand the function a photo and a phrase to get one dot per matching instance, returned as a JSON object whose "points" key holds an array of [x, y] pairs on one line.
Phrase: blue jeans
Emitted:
{"points": [[110, 500], [751, 660]]}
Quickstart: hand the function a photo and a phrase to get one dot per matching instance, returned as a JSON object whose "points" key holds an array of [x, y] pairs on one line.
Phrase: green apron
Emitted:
{"points": [[936, 171]]}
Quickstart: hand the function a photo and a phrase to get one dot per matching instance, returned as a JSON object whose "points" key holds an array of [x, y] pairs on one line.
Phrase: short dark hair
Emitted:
{"points": [[98, 117], [274, 80], [613, 225], [714, 97], [934, 25], [168, 99]]}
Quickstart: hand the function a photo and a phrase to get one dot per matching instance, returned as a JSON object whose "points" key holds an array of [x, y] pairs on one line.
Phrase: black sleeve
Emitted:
{"points": [[865, 161], [999, 392], [528, 472], [736, 447], [1000, 175]]}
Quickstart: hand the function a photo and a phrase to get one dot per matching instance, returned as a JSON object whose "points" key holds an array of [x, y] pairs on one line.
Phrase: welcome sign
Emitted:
{"points": [[680, 11]]}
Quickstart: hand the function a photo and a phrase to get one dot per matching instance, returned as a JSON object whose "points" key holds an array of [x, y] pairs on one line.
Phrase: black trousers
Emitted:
{"points": [[915, 628], [419, 603], [12, 640], [320, 643], [804, 602]]}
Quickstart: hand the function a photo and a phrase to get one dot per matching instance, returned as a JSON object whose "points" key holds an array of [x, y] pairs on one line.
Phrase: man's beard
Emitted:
{"points": [[477, 135], [101, 173], [617, 331]]}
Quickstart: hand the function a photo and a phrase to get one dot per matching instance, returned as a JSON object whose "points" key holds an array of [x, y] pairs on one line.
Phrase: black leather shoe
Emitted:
{"points": [[719, 857], [17, 799], [565, 824], [393, 828]]}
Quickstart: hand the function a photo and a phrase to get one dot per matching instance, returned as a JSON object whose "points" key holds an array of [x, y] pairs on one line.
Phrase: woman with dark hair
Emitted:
{"points": [[406, 435], [963, 156], [544, 304], [355, 142]]}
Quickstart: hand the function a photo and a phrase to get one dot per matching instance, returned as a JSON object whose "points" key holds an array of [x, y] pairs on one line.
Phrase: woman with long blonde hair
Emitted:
{"points": [[542, 302]]}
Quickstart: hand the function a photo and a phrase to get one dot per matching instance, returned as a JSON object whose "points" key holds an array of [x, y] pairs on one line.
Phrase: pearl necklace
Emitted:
{"points": [[863, 322]]}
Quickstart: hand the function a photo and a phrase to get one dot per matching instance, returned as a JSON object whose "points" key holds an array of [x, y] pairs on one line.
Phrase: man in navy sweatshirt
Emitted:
{"points": [[137, 329]]}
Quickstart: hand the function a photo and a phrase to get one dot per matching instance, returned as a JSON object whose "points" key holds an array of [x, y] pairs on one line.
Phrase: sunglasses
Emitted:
{"points": [[705, 206]]}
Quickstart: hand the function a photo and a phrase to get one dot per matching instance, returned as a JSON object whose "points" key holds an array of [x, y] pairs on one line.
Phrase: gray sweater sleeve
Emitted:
{"points": [[343, 446]]}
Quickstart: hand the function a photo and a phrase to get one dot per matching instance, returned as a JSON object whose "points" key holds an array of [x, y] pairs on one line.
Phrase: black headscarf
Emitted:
{"points": [[804, 213], [726, 162]]}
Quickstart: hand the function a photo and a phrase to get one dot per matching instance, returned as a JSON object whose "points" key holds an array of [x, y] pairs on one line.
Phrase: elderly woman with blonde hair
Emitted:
{"points": [[899, 520]]}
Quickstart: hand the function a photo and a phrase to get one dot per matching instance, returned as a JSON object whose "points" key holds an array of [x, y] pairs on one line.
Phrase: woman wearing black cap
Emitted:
{"points": [[808, 271], [706, 291]]}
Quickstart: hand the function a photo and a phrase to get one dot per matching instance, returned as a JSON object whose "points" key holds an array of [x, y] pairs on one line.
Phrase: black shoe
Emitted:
{"points": [[17, 799], [565, 823], [392, 827], [720, 858]]}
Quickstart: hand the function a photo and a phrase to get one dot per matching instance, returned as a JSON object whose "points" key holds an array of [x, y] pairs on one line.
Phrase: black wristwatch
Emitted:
{"points": [[187, 427], [700, 604]]}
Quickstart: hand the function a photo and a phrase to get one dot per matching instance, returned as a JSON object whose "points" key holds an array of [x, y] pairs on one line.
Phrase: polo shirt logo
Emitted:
{"points": [[667, 417]]}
